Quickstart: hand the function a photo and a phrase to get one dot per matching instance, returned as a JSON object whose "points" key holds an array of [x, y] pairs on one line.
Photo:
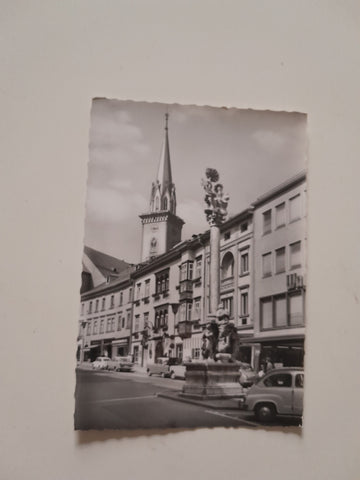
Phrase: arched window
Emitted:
{"points": [[227, 266]]}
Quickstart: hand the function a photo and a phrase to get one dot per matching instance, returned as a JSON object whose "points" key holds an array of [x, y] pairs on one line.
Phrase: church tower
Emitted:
{"points": [[161, 228]]}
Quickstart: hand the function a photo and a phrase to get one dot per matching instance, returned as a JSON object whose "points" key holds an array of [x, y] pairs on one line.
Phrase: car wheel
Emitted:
{"points": [[172, 375], [265, 412]]}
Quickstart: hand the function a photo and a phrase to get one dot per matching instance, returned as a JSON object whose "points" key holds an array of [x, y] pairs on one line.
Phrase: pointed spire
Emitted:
{"points": [[164, 177]]}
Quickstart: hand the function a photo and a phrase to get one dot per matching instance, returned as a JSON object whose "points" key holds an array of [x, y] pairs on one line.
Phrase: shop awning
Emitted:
{"points": [[277, 339], [123, 341]]}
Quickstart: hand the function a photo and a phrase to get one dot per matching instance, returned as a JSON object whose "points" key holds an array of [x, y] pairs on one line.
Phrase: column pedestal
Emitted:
{"points": [[212, 380]]}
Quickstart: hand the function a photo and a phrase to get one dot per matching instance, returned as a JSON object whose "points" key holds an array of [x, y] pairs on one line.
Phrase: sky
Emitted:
{"points": [[253, 151]]}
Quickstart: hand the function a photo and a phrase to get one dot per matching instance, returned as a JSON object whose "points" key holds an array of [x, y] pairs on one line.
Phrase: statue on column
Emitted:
{"points": [[216, 201]]}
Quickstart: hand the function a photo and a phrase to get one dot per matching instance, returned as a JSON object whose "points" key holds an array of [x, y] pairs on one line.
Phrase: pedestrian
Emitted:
{"points": [[269, 365], [261, 372]]}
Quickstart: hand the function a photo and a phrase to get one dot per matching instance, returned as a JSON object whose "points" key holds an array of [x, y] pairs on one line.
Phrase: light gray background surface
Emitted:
{"points": [[281, 55]]}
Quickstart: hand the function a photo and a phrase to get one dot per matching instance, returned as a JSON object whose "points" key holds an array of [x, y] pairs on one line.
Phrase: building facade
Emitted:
{"points": [[280, 273], [160, 307], [106, 319]]}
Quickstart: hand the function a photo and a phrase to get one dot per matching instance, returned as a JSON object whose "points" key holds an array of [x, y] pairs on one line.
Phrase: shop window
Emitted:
{"points": [[295, 208], [295, 255], [267, 222], [280, 215], [136, 354], [266, 265], [280, 260], [179, 351]]}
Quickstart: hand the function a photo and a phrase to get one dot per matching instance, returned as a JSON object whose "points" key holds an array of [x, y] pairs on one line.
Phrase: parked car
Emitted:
{"points": [[124, 364], [247, 375], [167, 367], [279, 392], [177, 369], [101, 363]]}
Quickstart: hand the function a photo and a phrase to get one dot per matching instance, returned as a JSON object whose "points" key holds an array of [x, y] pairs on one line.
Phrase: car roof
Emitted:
{"points": [[285, 369]]}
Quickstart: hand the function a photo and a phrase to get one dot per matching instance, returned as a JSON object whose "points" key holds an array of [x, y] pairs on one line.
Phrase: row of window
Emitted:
{"points": [[95, 306], [282, 215], [187, 271], [277, 262], [243, 228], [279, 311], [227, 265], [95, 326]]}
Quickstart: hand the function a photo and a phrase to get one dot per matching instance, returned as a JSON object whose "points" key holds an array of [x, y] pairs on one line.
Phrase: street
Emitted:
{"points": [[114, 400]]}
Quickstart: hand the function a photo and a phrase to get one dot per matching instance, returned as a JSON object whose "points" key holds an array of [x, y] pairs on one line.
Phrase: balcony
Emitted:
{"points": [[186, 290], [227, 284]]}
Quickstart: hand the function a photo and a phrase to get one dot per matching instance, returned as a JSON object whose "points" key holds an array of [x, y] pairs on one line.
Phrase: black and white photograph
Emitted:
{"points": [[192, 309]]}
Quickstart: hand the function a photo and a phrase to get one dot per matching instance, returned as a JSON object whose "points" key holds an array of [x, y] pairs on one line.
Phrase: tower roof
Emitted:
{"points": [[164, 177]]}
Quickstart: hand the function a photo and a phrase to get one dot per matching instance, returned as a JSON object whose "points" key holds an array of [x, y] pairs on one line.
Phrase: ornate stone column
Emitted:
{"points": [[211, 379]]}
